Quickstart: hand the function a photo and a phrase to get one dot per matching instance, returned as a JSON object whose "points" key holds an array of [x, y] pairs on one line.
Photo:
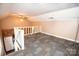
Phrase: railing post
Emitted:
{"points": [[19, 38]]}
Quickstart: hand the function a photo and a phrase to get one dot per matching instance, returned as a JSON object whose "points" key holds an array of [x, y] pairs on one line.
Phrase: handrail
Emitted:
{"points": [[18, 44]]}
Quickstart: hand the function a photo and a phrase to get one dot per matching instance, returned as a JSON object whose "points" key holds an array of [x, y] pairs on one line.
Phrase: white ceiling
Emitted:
{"points": [[66, 14], [34, 9]]}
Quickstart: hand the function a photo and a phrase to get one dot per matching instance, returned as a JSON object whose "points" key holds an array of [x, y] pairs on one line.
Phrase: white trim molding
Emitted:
{"points": [[61, 37]]}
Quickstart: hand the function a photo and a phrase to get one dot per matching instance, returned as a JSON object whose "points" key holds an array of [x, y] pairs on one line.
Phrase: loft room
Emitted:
{"points": [[49, 29]]}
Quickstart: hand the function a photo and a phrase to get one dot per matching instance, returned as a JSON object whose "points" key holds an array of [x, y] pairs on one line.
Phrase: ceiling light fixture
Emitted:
{"points": [[21, 20]]}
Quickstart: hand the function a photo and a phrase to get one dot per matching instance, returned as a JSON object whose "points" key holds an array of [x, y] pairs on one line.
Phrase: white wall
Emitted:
{"points": [[62, 29], [64, 23]]}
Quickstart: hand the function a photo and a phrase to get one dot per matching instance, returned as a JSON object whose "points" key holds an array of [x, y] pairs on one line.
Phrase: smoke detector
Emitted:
{"points": [[51, 17]]}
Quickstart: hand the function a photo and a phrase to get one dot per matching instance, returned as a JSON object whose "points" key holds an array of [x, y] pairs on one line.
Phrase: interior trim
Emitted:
{"points": [[61, 37]]}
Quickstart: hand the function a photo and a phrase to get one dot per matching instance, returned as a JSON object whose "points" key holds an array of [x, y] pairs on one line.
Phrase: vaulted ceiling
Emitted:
{"points": [[34, 9], [41, 11]]}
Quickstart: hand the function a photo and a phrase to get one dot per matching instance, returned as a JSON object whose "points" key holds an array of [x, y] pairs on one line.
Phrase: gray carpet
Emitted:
{"points": [[40, 44]]}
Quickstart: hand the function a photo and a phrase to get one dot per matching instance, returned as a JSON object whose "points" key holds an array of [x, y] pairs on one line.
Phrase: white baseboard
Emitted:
{"points": [[61, 37]]}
